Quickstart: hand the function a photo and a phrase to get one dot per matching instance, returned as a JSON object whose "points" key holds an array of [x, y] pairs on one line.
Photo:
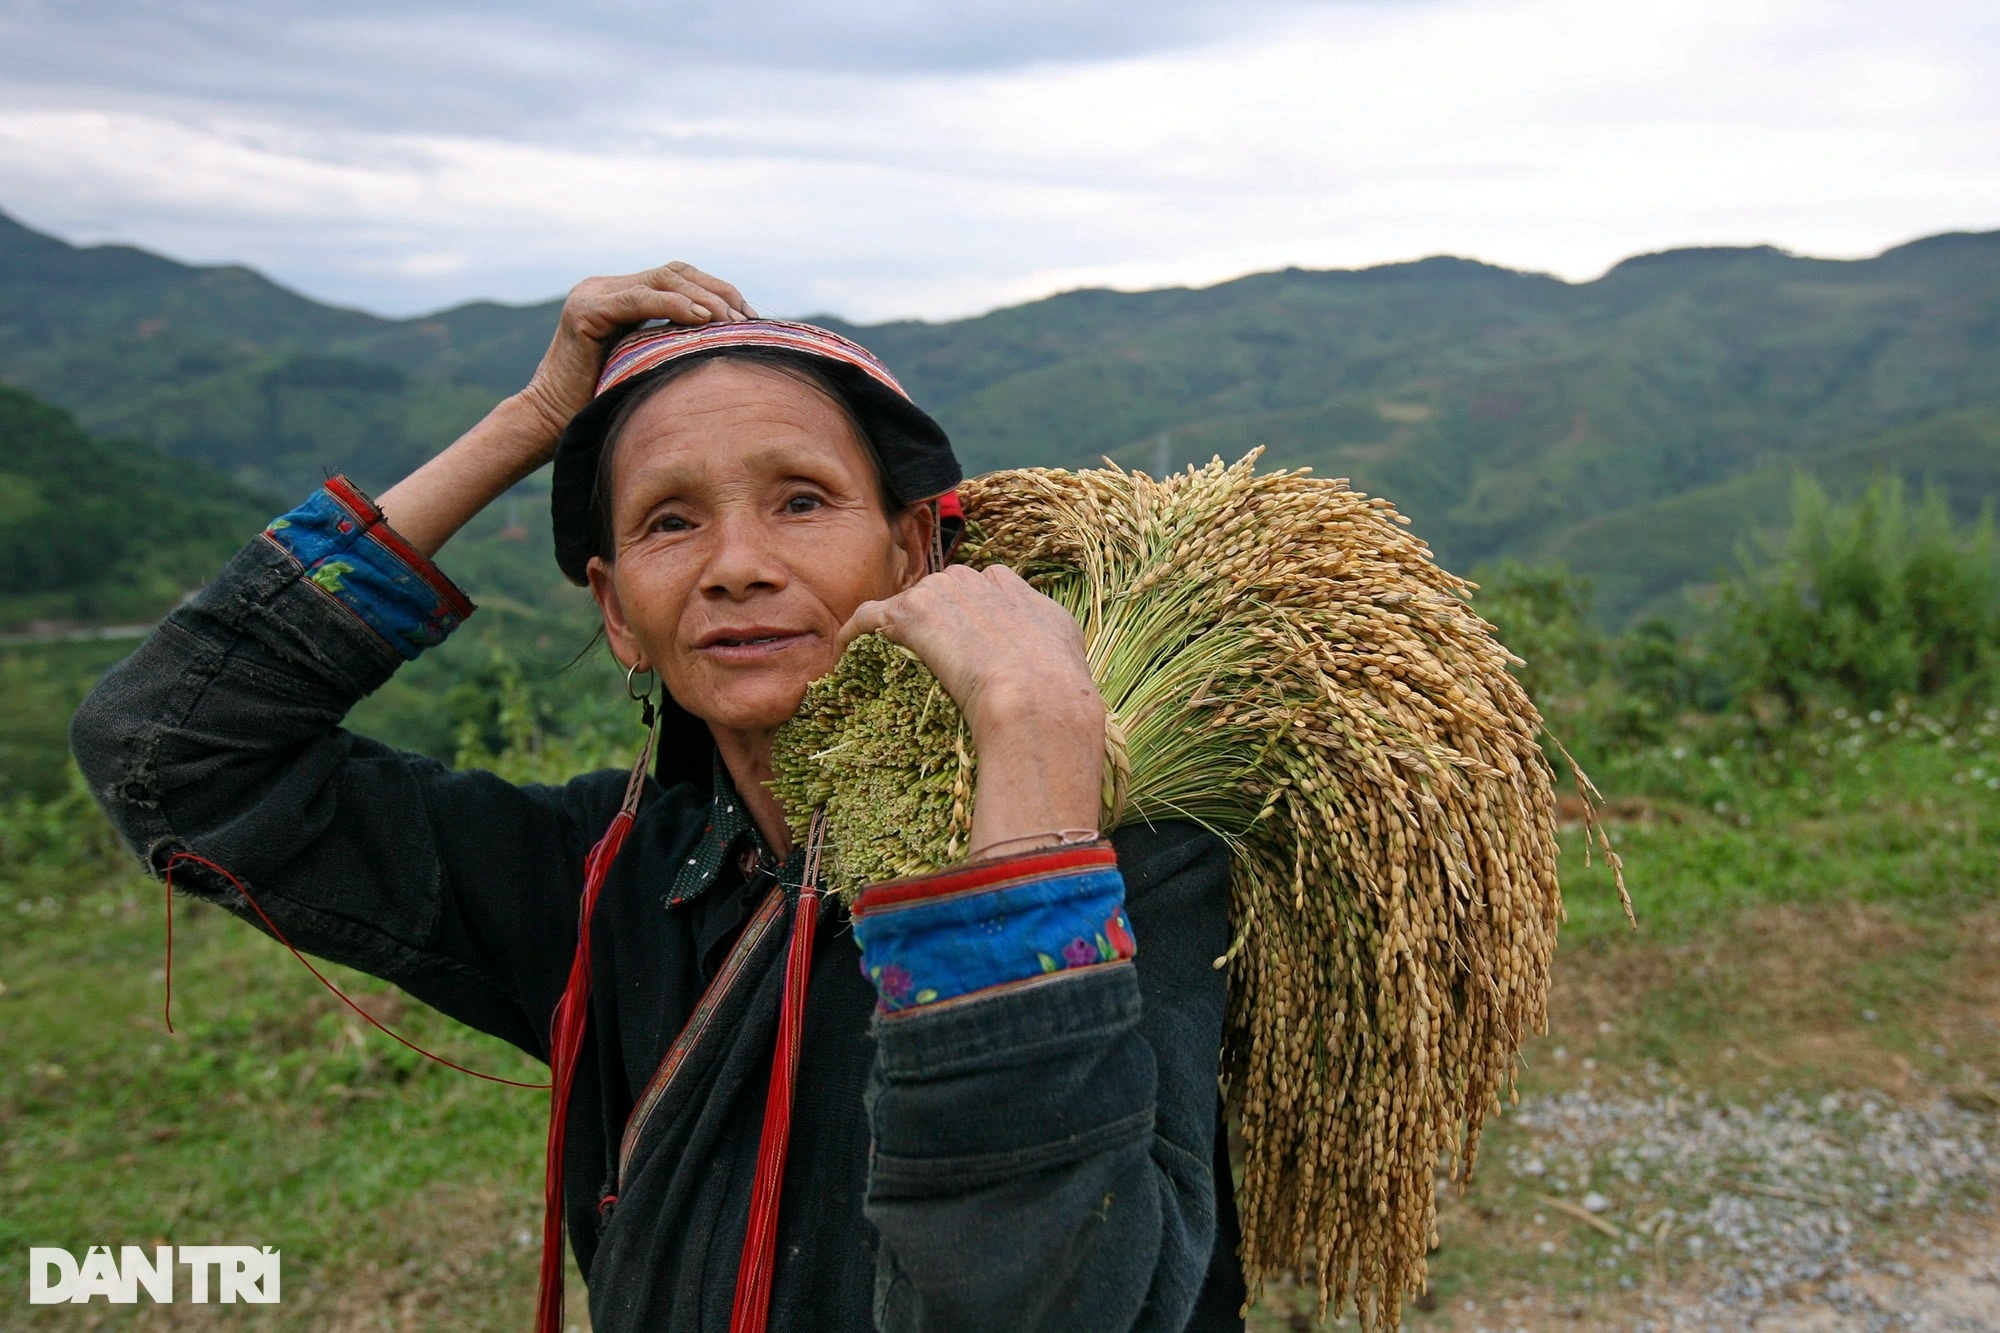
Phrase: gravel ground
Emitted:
{"points": [[1959, 1294], [1782, 1216]]}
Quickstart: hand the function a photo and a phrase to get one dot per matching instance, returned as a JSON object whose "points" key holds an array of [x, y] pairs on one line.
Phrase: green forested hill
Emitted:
{"points": [[1636, 426], [225, 367], [103, 531]]}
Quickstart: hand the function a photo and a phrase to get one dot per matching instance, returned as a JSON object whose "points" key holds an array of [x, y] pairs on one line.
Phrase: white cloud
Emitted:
{"points": [[1546, 134]]}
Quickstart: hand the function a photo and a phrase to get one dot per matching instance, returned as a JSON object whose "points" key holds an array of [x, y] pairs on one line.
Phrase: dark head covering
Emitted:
{"points": [[916, 458], [917, 461]]}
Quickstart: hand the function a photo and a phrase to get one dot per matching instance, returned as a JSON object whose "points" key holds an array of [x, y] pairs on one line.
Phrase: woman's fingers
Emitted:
{"points": [[636, 305], [705, 288], [908, 611], [867, 618], [598, 309], [956, 598]]}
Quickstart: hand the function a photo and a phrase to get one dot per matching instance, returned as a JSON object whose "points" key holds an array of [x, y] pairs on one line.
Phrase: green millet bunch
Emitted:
{"points": [[880, 745], [1285, 665]]}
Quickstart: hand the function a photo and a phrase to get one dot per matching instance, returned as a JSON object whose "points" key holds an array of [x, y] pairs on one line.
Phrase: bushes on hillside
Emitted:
{"points": [[94, 530], [1859, 603], [1865, 601], [1608, 690], [505, 725]]}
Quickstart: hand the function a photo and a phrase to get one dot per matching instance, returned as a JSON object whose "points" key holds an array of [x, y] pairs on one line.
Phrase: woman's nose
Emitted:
{"points": [[743, 558]]}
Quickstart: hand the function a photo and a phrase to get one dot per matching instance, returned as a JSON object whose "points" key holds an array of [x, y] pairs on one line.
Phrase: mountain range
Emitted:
{"points": [[1637, 427]]}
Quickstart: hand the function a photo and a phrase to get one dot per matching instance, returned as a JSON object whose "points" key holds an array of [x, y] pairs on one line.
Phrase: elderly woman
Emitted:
{"points": [[979, 1125]]}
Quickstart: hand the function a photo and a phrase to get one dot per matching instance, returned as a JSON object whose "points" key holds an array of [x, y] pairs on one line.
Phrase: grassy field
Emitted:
{"points": [[39, 689], [402, 1194], [1818, 921]]}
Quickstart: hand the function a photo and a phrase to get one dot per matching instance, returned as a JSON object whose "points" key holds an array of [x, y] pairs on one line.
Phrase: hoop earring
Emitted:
{"points": [[645, 701]]}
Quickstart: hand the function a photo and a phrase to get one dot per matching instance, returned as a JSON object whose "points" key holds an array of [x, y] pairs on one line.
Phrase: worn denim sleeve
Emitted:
{"points": [[1043, 1145], [221, 736]]}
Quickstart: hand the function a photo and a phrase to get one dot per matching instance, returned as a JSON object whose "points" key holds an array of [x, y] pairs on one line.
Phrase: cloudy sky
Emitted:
{"points": [[882, 158]]}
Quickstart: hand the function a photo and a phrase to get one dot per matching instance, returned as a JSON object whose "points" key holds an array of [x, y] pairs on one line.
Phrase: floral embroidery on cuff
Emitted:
{"points": [[349, 552], [992, 924]]}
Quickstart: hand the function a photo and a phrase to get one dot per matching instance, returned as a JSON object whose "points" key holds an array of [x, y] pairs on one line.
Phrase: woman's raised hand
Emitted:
{"points": [[597, 310]]}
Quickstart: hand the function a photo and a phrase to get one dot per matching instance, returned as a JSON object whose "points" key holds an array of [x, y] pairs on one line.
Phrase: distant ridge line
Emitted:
{"points": [[1388, 269]]}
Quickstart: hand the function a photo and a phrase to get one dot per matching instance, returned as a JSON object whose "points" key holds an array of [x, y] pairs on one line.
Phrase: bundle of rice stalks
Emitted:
{"points": [[1285, 665]]}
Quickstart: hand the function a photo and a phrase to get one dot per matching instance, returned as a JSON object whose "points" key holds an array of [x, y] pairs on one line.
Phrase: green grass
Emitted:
{"points": [[399, 1191], [271, 1116], [1895, 808], [41, 686]]}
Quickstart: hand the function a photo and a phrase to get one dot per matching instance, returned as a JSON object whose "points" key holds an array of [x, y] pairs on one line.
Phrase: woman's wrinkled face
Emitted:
{"points": [[747, 525]]}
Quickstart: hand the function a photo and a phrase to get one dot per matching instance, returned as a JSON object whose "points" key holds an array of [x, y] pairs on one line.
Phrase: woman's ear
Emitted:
{"points": [[617, 631], [912, 529]]}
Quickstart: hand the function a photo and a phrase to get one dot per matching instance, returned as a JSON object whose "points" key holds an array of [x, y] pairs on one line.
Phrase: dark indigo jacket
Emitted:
{"points": [[1048, 1157]]}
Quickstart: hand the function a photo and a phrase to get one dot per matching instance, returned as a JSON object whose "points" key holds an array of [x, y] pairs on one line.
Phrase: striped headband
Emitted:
{"points": [[654, 346]]}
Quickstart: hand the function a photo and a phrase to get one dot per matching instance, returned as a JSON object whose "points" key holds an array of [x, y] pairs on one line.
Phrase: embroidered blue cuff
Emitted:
{"points": [[967, 931], [350, 553]]}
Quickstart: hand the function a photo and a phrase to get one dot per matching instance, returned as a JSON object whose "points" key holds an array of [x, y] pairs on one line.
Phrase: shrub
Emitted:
{"points": [[1862, 601]]}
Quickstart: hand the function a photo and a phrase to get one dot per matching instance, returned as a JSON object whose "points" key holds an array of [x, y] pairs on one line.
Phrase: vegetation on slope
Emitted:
{"points": [[96, 531]]}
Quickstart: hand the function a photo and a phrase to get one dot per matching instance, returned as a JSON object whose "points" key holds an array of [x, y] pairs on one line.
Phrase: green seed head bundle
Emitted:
{"points": [[1285, 665]]}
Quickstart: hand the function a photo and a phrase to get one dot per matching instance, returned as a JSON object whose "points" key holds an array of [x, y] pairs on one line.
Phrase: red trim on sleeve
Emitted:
{"points": [[986, 875], [351, 497]]}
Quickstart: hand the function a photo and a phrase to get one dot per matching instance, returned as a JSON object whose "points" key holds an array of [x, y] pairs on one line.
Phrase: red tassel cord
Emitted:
{"points": [[237, 884], [751, 1308], [566, 1035], [760, 1241]]}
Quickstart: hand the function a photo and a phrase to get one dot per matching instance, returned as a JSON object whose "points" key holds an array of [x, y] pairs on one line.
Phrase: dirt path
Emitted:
{"points": [[1937, 1287], [1792, 1215], [1952, 1287]]}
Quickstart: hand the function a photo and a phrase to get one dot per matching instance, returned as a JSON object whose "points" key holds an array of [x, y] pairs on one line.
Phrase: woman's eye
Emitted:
{"points": [[802, 504], [669, 523]]}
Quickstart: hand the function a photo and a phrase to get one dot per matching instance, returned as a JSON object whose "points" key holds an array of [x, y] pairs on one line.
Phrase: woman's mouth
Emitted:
{"points": [[748, 645]]}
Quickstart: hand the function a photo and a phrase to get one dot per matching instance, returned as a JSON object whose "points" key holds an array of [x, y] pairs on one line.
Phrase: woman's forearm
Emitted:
{"points": [[1041, 767], [428, 506], [1060, 1128]]}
